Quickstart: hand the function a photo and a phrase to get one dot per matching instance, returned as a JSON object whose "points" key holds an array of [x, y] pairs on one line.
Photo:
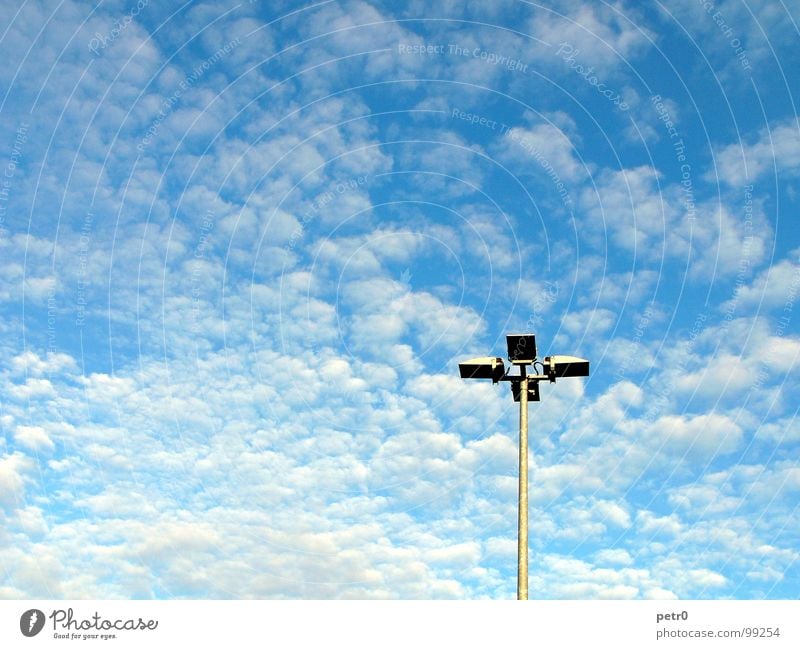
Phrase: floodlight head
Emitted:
{"points": [[485, 367], [565, 366], [533, 390], [521, 348]]}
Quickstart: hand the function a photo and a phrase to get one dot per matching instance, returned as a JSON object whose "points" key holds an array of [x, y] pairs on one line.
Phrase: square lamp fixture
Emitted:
{"points": [[562, 366], [521, 348], [485, 367]]}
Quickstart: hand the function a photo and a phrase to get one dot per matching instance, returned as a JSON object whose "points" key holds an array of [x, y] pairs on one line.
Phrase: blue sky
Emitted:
{"points": [[244, 246]]}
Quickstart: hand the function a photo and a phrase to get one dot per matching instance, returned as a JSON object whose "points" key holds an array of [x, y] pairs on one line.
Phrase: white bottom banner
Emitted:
{"points": [[401, 624]]}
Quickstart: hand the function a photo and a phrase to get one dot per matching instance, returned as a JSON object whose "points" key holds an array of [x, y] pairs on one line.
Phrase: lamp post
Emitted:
{"points": [[524, 388], [522, 514]]}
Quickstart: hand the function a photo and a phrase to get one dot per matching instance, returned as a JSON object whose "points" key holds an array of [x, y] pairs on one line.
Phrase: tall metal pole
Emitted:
{"points": [[522, 530], [522, 353]]}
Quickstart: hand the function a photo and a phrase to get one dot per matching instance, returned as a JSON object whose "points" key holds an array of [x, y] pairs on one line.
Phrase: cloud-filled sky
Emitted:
{"points": [[244, 245]]}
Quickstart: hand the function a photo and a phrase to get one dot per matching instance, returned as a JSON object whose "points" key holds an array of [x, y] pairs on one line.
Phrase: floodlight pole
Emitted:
{"points": [[522, 352], [522, 529]]}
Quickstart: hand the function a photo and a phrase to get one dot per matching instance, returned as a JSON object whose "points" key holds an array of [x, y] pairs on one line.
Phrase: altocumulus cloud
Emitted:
{"points": [[245, 247]]}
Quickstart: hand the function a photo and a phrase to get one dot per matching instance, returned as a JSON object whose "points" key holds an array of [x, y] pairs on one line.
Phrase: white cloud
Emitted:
{"points": [[631, 205], [117, 505], [14, 473], [782, 431], [30, 520], [613, 513], [107, 388], [543, 150], [32, 364], [596, 421], [700, 437], [549, 483], [616, 556], [32, 388], [776, 150], [703, 500], [653, 525], [34, 438], [723, 374], [300, 429], [572, 578], [461, 556], [707, 578], [384, 316], [776, 286], [603, 35], [588, 323], [659, 221]]}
